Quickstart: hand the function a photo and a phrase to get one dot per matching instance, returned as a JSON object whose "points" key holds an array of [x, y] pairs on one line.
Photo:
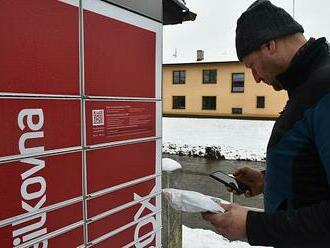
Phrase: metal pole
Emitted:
{"points": [[293, 8]]}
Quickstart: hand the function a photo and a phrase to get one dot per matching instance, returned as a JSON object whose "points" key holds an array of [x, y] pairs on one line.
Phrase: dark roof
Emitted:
{"points": [[175, 12], [203, 63], [212, 59]]}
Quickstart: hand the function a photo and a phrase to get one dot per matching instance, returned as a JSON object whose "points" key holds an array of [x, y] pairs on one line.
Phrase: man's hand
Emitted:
{"points": [[254, 179], [231, 224]]}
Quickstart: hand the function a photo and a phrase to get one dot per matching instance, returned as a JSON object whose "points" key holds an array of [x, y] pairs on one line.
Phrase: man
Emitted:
{"points": [[296, 181]]}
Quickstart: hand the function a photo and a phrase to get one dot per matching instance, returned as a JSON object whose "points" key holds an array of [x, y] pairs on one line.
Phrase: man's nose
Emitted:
{"points": [[256, 76]]}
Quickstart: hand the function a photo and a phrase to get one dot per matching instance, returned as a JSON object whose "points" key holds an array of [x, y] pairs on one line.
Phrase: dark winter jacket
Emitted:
{"points": [[297, 192]]}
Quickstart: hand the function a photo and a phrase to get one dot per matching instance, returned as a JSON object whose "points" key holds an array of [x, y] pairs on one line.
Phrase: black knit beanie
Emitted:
{"points": [[260, 23]]}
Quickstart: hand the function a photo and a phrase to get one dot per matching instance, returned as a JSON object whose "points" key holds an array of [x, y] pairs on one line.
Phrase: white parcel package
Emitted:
{"points": [[191, 201]]}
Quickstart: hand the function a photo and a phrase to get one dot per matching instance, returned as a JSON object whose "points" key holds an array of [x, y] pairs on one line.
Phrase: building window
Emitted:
{"points": [[236, 111], [179, 102], [237, 85], [209, 76], [209, 103], [179, 77], [260, 102]]}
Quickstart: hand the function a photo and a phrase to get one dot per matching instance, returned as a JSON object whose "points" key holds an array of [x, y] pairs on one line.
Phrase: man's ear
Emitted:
{"points": [[269, 47]]}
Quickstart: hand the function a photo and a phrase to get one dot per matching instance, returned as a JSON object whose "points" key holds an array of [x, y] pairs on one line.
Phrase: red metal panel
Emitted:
{"points": [[70, 239], [119, 58], [39, 182], [25, 230], [39, 47], [112, 222], [109, 121], [32, 126], [119, 197], [112, 166], [125, 238]]}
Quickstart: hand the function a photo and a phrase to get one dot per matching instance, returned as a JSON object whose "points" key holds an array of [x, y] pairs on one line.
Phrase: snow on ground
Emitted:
{"points": [[233, 139], [200, 238]]}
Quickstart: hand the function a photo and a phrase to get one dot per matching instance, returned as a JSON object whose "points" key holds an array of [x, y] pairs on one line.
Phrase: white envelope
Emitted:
{"points": [[192, 202]]}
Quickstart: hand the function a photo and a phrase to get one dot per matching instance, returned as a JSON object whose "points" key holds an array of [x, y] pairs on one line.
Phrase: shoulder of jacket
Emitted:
{"points": [[322, 73]]}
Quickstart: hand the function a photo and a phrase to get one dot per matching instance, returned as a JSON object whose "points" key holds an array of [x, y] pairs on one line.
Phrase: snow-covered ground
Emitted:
{"points": [[199, 238], [234, 139]]}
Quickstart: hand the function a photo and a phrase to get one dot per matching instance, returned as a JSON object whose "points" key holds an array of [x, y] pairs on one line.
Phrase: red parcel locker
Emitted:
{"points": [[71, 239], [142, 194], [120, 197], [35, 125], [112, 166], [109, 121], [131, 55], [39, 182], [30, 228], [124, 217], [120, 239], [39, 47]]}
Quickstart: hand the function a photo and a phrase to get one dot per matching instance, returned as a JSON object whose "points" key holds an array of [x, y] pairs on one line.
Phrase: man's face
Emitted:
{"points": [[262, 69]]}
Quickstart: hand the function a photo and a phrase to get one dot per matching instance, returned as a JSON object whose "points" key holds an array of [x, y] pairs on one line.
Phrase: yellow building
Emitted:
{"points": [[221, 89]]}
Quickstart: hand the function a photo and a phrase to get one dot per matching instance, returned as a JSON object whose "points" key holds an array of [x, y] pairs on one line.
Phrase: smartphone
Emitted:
{"points": [[230, 181]]}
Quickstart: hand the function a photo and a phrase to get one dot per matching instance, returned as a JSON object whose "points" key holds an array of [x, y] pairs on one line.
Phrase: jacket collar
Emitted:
{"points": [[303, 63]]}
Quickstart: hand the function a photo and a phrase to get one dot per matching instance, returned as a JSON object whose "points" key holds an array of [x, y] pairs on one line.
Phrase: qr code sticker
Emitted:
{"points": [[98, 117]]}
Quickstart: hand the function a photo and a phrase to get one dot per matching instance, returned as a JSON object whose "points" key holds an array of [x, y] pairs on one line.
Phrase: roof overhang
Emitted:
{"points": [[164, 11], [175, 12]]}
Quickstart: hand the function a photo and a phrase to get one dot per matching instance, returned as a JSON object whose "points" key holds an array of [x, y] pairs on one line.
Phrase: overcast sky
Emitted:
{"points": [[214, 28]]}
